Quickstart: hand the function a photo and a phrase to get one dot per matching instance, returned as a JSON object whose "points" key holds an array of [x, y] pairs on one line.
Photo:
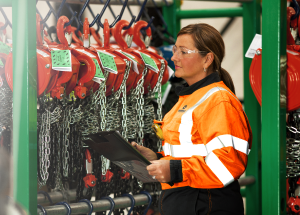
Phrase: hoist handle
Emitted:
{"points": [[88, 155]]}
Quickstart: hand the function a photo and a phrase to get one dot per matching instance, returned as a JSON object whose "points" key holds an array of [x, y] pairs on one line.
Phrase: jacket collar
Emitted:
{"points": [[185, 89]]}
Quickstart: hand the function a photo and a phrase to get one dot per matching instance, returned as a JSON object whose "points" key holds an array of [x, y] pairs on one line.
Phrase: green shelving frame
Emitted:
{"points": [[267, 158]]}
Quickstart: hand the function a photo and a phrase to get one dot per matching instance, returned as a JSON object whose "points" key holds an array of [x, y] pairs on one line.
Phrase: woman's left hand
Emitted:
{"points": [[160, 169]]}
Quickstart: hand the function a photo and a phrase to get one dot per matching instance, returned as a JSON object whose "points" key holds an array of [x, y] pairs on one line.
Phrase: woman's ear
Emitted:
{"points": [[209, 58]]}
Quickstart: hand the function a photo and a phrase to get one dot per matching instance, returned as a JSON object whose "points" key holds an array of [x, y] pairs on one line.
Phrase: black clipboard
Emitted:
{"points": [[114, 147]]}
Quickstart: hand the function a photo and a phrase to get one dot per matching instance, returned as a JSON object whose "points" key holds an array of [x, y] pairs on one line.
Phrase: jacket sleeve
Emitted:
{"points": [[226, 134]]}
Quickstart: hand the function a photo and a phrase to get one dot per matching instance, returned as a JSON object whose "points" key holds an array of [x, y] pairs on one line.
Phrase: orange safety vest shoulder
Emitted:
{"points": [[210, 133]]}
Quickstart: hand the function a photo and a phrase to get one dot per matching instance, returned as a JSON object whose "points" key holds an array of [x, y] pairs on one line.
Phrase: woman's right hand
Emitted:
{"points": [[146, 152]]}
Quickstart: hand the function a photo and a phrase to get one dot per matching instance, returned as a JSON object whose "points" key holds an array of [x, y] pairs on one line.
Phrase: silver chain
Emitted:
{"points": [[44, 147], [66, 133], [102, 100], [157, 89], [124, 100], [139, 96]]}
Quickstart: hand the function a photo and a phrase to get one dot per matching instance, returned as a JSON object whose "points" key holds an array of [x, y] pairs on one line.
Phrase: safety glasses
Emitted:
{"points": [[182, 52]]}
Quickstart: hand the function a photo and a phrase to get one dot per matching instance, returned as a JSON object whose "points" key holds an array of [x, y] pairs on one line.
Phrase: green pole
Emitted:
{"points": [[173, 22], [210, 13], [5, 3], [273, 106], [251, 26], [24, 104]]}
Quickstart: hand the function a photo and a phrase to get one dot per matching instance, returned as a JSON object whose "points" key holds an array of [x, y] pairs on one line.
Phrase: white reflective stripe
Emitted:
{"points": [[185, 128], [228, 140], [179, 151], [218, 168]]}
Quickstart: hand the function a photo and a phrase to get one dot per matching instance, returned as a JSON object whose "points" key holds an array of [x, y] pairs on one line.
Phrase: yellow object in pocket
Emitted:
{"points": [[159, 133]]}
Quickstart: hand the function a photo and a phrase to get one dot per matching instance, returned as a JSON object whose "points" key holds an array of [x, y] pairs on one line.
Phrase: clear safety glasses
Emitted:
{"points": [[182, 52]]}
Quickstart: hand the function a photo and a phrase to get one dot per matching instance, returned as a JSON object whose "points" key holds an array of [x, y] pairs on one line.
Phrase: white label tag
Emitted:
{"points": [[105, 52], [255, 44], [132, 58], [44, 54], [291, 52], [85, 52], [171, 72]]}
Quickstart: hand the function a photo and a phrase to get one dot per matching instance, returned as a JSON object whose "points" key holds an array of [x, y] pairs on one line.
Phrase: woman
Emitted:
{"points": [[207, 135]]}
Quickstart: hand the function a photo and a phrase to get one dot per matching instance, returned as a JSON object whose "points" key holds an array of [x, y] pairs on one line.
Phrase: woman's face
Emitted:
{"points": [[189, 66]]}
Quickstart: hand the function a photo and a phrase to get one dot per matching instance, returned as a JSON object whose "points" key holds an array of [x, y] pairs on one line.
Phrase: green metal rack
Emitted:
{"points": [[266, 161]]}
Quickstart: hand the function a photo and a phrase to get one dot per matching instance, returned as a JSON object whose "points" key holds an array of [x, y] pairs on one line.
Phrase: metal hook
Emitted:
{"points": [[142, 10], [112, 204], [150, 200], [81, 12], [45, 24], [72, 12], [71, 20], [118, 18], [297, 9], [42, 209], [93, 15], [7, 22], [51, 10], [160, 16], [46, 195], [111, 10], [132, 202], [67, 206], [89, 203], [130, 24], [149, 24]]}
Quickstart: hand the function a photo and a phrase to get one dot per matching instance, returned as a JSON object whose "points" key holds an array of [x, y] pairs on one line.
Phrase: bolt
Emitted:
{"points": [[93, 182], [258, 52], [297, 207], [83, 95], [47, 66]]}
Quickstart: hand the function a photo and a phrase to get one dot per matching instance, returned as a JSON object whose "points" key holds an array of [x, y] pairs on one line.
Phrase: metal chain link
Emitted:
{"points": [[66, 133], [139, 96]]}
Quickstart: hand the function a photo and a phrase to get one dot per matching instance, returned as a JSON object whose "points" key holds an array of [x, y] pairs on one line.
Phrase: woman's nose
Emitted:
{"points": [[174, 57]]}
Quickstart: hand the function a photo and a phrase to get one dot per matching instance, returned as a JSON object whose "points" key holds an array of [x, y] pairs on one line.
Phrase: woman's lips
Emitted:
{"points": [[177, 67]]}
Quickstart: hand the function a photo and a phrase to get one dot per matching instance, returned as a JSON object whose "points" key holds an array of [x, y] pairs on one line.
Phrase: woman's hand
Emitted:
{"points": [[146, 152], [160, 169]]}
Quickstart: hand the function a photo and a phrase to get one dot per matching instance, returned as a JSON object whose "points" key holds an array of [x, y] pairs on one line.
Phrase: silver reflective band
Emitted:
{"points": [[228, 140], [218, 168], [185, 128], [188, 150], [179, 151]]}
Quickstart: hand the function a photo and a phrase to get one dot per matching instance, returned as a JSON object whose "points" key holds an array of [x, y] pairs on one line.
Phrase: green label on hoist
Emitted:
{"points": [[99, 77], [149, 62], [4, 48], [61, 60], [1, 64], [108, 62]]}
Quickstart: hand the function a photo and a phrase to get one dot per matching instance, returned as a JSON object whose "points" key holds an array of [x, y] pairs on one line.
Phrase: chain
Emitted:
{"points": [[44, 147], [102, 90], [59, 185], [139, 96], [124, 102], [157, 89], [66, 133]]}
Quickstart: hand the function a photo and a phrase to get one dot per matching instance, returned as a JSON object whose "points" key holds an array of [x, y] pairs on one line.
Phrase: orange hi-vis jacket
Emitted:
{"points": [[210, 133]]}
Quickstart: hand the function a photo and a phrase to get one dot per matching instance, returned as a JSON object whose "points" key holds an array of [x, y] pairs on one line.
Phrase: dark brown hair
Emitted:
{"points": [[207, 38]]}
